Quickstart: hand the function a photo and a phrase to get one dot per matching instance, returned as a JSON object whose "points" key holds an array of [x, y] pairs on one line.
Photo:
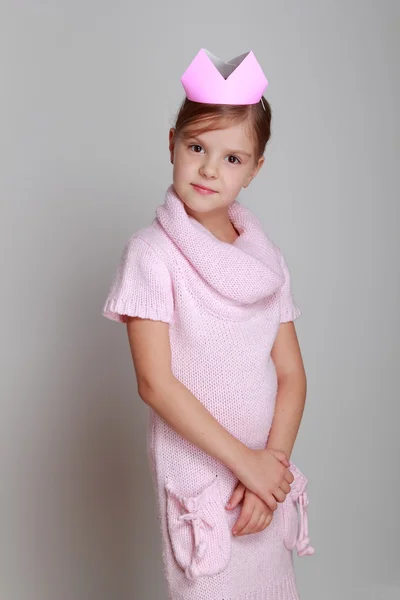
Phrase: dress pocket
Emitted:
{"points": [[294, 515], [198, 529]]}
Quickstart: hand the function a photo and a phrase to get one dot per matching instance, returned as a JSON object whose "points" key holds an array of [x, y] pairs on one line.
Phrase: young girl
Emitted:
{"points": [[206, 298]]}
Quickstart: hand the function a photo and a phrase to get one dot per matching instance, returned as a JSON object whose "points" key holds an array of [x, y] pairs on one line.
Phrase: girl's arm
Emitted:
{"points": [[292, 389], [157, 387]]}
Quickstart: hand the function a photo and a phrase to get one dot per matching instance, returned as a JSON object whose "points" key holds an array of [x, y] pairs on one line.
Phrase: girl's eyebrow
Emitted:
{"points": [[243, 152]]}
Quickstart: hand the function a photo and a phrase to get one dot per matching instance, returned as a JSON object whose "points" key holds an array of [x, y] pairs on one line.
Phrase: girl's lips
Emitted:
{"points": [[203, 190]]}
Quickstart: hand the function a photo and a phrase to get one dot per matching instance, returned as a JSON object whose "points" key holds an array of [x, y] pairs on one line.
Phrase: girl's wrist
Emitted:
{"points": [[237, 457]]}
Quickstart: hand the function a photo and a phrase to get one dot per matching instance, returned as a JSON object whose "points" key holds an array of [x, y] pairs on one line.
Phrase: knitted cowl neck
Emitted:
{"points": [[245, 271]]}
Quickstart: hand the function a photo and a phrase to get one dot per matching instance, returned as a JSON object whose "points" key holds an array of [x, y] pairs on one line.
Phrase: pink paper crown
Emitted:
{"points": [[210, 80]]}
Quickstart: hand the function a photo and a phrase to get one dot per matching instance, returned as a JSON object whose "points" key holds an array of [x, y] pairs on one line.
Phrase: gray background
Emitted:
{"points": [[88, 92]]}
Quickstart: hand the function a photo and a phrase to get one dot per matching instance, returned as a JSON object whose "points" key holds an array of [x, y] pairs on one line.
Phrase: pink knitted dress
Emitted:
{"points": [[224, 303]]}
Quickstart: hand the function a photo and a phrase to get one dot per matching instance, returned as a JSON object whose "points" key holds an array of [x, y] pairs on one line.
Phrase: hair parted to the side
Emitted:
{"points": [[195, 118]]}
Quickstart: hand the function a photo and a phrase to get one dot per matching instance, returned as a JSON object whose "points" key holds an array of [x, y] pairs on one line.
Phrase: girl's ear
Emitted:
{"points": [[171, 143], [255, 171]]}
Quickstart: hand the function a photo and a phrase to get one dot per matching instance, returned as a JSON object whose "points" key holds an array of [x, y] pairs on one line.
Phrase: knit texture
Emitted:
{"points": [[224, 304]]}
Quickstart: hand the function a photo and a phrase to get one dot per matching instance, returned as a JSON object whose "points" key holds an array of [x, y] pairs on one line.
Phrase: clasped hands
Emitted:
{"points": [[260, 490]]}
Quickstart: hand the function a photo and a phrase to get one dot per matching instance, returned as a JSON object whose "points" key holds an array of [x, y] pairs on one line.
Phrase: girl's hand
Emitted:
{"points": [[255, 514], [264, 472]]}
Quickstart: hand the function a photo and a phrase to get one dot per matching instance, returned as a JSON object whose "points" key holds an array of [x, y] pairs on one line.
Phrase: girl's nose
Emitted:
{"points": [[208, 170]]}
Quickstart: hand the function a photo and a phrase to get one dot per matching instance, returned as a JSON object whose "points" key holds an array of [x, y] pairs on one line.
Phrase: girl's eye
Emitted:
{"points": [[196, 148], [235, 160]]}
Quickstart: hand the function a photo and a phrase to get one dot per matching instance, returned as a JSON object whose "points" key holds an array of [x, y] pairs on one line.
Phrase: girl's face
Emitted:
{"points": [[210, 169]]}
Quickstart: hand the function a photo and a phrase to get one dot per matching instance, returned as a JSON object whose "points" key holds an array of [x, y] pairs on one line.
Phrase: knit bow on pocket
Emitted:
{"points": [[294, 515], [199, 531]]}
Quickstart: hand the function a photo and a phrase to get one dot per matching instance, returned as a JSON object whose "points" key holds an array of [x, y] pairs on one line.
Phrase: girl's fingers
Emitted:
{"points": [[236, 496], [243, 519], [254, 526], [251, 525], [285, 487], [271, 502], [264, 521], [261, 521], [268, 520], [289, 476], [279, 495]]}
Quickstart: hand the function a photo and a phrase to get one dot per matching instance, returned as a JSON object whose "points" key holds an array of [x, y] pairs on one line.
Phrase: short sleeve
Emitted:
{"points": [[289, 311], [141, 287]]}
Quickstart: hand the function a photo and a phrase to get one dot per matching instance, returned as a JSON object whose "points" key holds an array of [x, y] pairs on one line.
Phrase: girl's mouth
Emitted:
{"points": [[203, 190]]}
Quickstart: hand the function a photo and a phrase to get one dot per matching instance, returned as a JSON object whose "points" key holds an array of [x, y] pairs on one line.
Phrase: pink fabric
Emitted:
{"points": [[224, 304], [294, 508], [199, 531]]}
